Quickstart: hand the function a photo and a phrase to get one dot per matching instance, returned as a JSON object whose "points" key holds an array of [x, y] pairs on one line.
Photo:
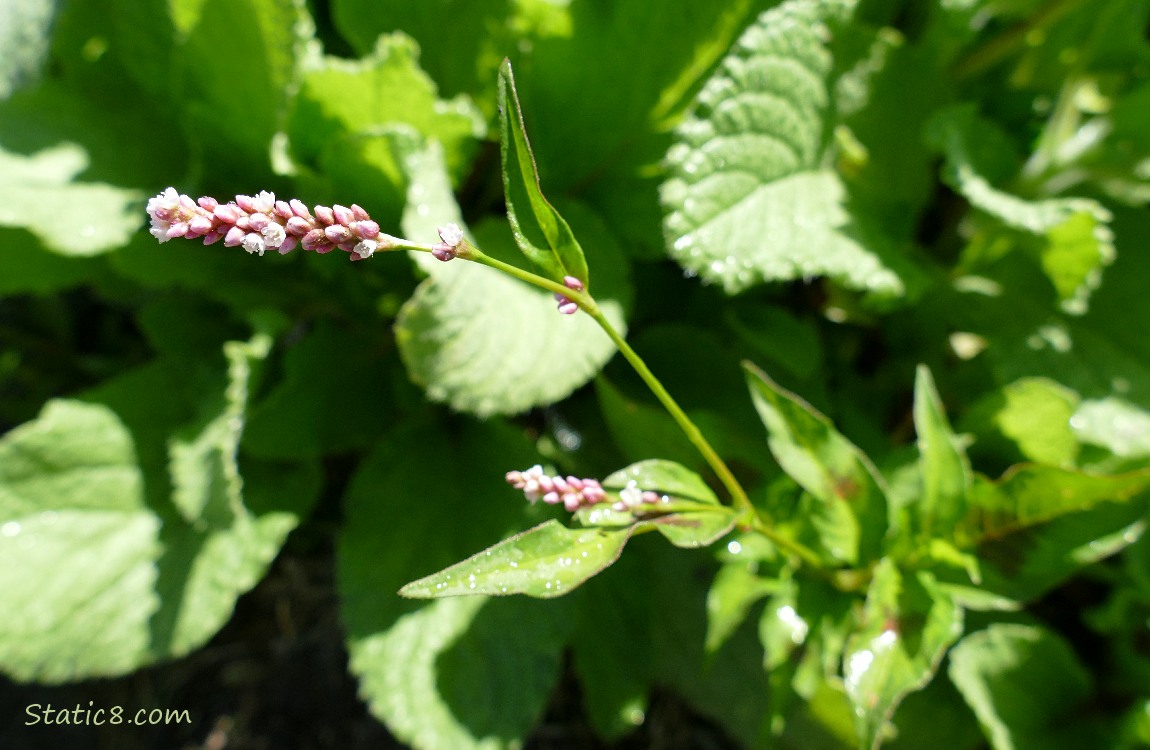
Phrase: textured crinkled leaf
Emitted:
{"points": [[907, 626], [541, 233], [340, 98], [943, 465], [487, 343], [1025, 685], [827, 465], [1071, 236], [422, 672], [100, 217], [547, 561], [748, 198], [109, 572]]}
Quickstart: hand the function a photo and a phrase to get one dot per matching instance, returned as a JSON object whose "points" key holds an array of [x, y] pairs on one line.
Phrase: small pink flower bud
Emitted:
{"points": [[177, 230], [299, 209], [234, 237], [246, 202], [568, 308], [325, 215], [337, 233], [443, 252], [297, 226], [258, 221], [288, 245], [187, 204], [212, 237], [359, 213], [208, 203], [573, 283], [273, 234], [244, 223], [551, 498], [228, 213], [367, 229], [283, 210], [200, 225], [342, 214]]}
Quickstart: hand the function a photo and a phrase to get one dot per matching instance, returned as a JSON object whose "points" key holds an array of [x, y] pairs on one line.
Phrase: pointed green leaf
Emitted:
{"points": [[1025, 685], [547, 561], [685, 527], [749, 198], [942, 462], [827, 465], [908, 624], [541, 233], [487, 343]]}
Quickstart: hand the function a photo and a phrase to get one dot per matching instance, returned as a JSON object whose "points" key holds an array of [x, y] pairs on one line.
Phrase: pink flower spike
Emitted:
{"points": [[342, 214], [359, 213], [573, 283], [299, 209], [234, 237], [325, 215]]}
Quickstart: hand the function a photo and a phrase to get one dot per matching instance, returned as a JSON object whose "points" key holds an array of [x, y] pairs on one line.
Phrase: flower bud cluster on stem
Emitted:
{"points": [[260, 222], [576, 493]]}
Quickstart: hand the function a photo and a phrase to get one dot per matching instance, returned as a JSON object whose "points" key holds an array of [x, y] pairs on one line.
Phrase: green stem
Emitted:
{"points": [[748, 516]]}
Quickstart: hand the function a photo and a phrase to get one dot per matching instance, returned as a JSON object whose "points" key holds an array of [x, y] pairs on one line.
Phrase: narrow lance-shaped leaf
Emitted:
{"points": [[942, 463], [908, 624], [540, 231], [546, 561], [824, 463]]}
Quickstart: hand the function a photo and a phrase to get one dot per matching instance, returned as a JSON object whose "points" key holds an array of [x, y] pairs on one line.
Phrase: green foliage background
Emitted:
{"points": [[923, 219]]}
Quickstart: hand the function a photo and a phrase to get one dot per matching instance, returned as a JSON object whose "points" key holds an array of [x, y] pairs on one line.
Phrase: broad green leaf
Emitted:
{"points": [[1027, 420], [236, 113], [24, 37], [665, 478], [348, 102], [399, 527], [614, 672], [907, 626], [935, 716], [1070, 236], [781, 628], [100, 217], [414, 672], [487, 343], [1025, 685], [749, 197], [828, 466], [112, 573], [547, 561], [943, 465], [540, 231], [296, 419]]}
